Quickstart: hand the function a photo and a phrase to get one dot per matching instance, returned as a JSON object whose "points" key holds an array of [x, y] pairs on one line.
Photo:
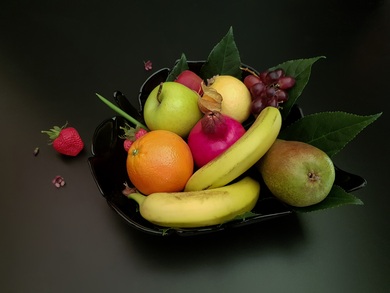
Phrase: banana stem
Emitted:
{"points": [[121, 112], [138, 197]]}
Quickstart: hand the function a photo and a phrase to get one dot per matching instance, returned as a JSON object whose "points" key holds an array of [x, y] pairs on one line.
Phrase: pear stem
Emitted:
{"points": [[121, 112]]}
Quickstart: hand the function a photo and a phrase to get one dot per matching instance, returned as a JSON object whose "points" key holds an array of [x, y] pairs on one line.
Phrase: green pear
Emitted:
{"points": [[297, 173]]}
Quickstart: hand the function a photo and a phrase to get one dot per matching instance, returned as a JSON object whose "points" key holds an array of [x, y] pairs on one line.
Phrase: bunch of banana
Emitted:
{"points": [[199, 208], [209, 197], [242, 155]]}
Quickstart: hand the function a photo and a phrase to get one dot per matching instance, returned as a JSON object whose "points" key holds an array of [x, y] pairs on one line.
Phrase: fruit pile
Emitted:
{"points": [[160, 165], [188, 164]]}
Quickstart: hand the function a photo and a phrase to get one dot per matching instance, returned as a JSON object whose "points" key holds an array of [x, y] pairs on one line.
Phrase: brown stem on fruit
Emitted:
{"points": [[159, 92], [249, 70]]}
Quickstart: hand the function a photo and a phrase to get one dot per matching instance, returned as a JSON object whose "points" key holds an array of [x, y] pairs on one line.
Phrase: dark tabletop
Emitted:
{"points": [[54, 57]]}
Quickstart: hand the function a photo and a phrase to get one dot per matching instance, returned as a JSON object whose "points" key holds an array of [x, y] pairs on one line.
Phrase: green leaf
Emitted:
{"points": [[224, 59], [179, 67], [245, 215], [165, 231], [336, 197], [328, 131], [300, 69]]}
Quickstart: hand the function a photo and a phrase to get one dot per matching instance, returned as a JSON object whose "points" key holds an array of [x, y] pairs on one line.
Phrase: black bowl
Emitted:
{"points": [[108, 167]]}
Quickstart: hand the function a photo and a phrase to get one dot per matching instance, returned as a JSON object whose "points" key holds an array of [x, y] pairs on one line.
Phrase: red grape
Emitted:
{"points": [[281, 96], [262, 75], [257, 89], [270, 91], [250, 80], [273, 102], [286, 82], [258, 105], [273, 76]]}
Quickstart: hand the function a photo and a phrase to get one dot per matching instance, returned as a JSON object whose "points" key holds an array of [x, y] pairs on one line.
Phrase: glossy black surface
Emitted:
{"points": [[54, 57], [109, 171]]}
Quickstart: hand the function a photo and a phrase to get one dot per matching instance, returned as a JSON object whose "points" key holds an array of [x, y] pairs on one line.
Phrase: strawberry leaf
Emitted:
{"points": [[328, 131], [336, 197], [224, 59], [300, 69], [179, 67]]}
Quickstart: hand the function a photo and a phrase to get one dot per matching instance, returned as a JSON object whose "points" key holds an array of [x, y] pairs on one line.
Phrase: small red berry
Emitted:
{"points": [[127, 144], [65, 140], [130, 135], [141, 132]]}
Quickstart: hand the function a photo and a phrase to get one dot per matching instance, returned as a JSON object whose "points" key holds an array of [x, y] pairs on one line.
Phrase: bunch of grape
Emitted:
{"points": [[269, 88]]}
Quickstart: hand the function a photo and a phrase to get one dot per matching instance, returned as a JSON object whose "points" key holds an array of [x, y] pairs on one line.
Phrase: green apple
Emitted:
{"points": [[172, 106], [297, 173]]}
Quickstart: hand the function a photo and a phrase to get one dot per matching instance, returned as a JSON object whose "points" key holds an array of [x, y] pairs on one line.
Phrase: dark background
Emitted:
{"points": [[54, 56]]}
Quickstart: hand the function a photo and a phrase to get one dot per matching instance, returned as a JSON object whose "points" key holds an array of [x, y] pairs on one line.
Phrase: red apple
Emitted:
{"points": [[191, 80]]}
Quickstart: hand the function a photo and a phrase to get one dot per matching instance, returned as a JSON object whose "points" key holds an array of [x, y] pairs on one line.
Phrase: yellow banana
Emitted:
{"points": [[242, 155], [199, 208]]}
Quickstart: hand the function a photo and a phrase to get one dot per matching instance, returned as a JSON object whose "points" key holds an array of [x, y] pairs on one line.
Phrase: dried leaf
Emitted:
{"points": [[211, 100]]}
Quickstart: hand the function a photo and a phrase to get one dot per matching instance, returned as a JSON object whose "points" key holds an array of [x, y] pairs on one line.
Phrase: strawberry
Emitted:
{"points": [[130, 135], [141, 132], [65, 140], [127, 144]]}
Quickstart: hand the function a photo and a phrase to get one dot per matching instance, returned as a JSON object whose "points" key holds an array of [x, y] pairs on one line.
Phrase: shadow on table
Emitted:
{"points": [[280, 235]]}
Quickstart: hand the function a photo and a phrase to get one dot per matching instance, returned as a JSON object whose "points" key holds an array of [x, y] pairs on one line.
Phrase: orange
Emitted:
{"points": [[159, 161]]}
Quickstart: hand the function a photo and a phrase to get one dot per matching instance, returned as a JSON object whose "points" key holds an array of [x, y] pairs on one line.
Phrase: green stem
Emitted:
{"points": [[121, 112], [138, 197]]}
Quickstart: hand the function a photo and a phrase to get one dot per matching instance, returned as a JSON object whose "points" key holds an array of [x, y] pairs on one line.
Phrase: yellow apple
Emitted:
{"points": [[236, 98]]}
